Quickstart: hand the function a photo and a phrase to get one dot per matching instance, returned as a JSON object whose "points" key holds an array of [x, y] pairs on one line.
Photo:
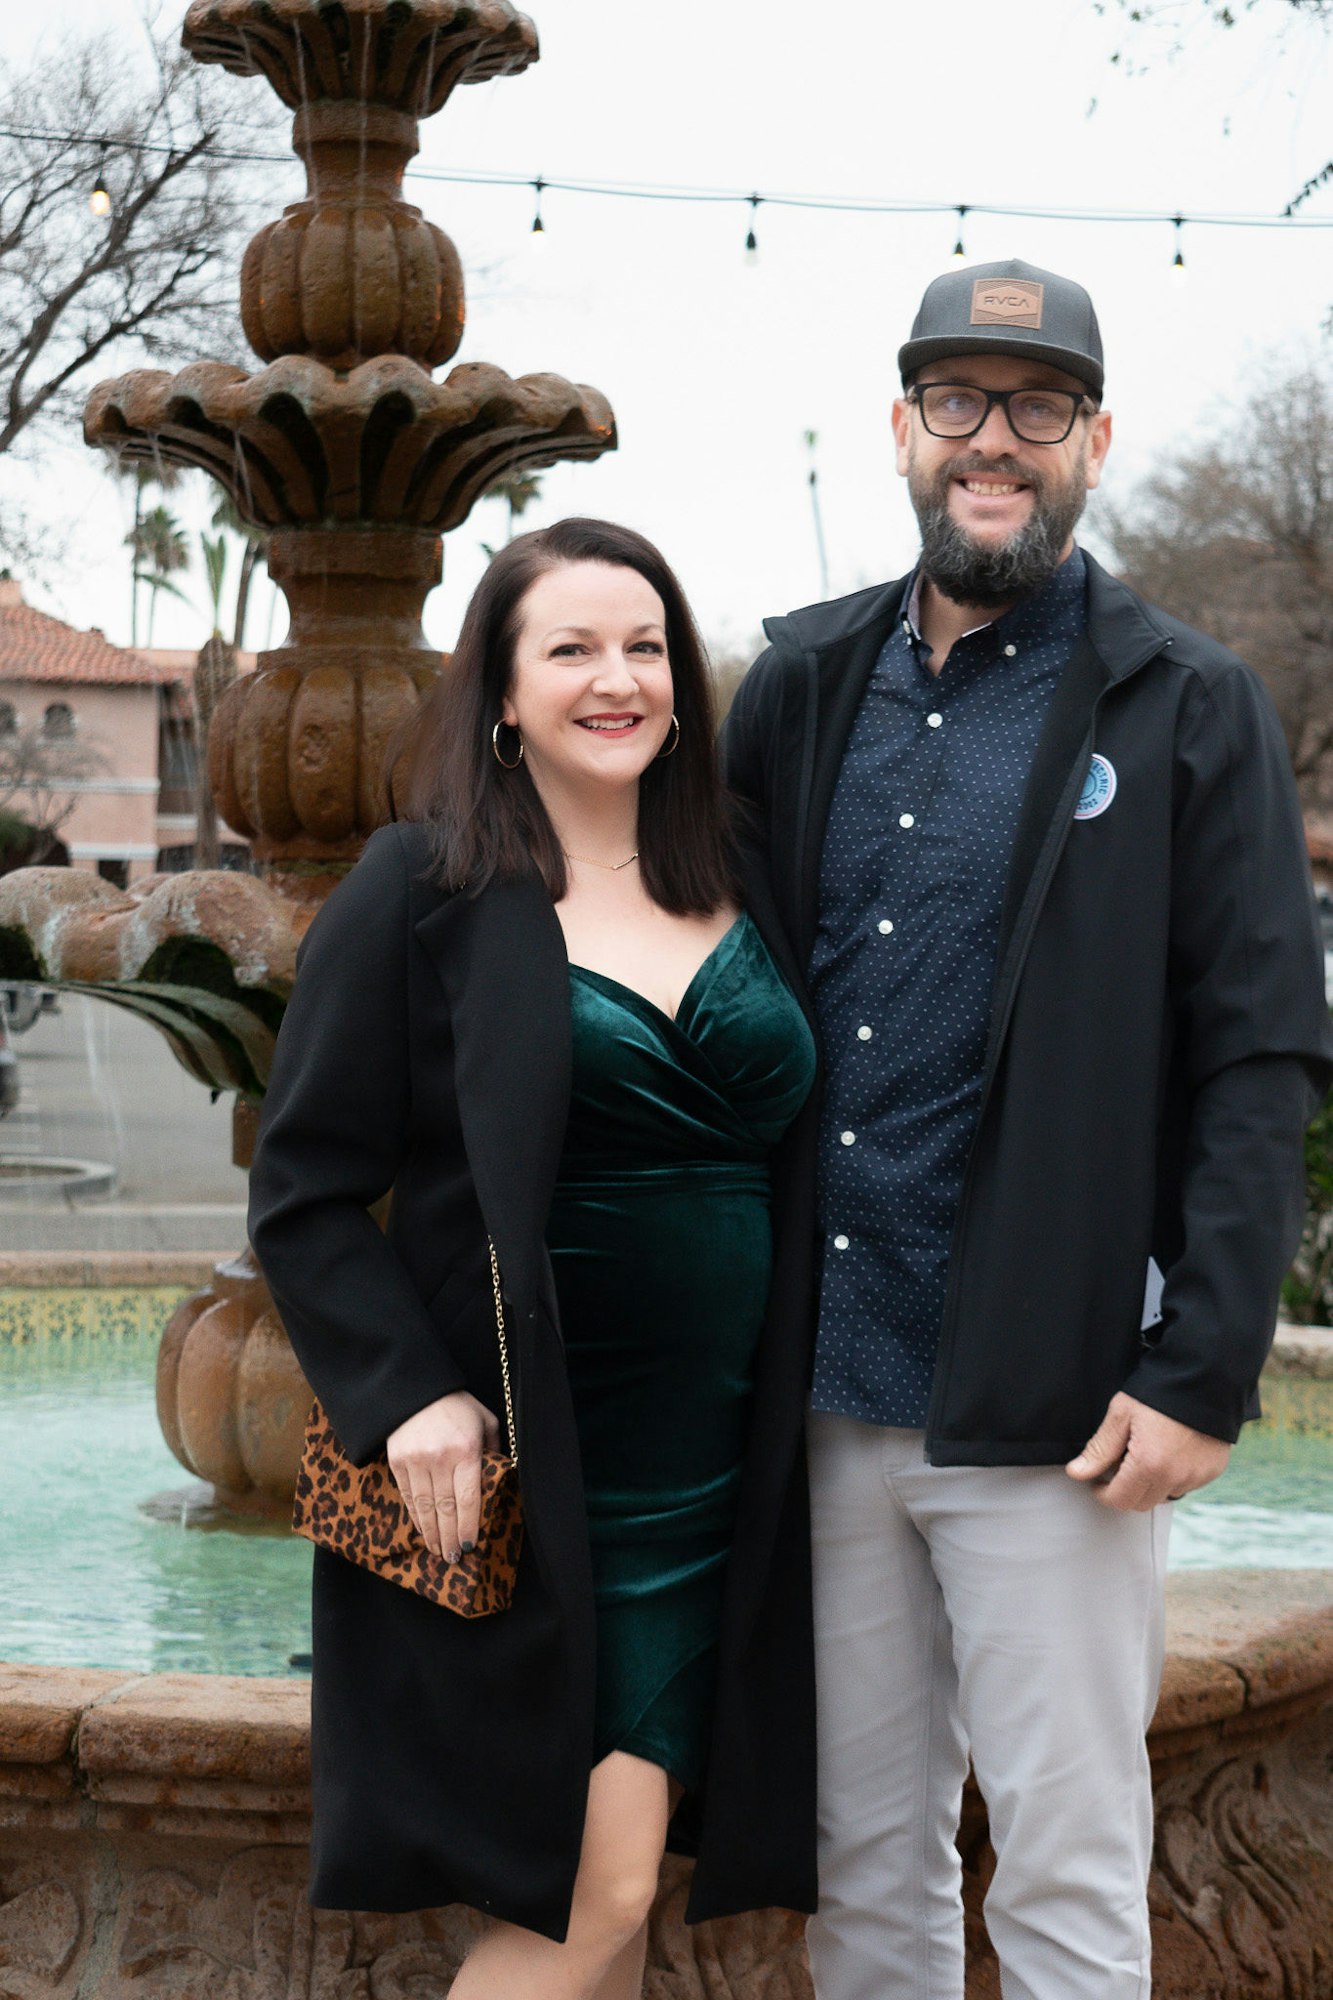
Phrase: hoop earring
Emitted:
{"points": [[495, 745], [675, 743]]}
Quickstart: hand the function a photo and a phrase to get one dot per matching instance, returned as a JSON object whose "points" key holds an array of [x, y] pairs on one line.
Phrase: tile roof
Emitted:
{"points": [[35, 647]]}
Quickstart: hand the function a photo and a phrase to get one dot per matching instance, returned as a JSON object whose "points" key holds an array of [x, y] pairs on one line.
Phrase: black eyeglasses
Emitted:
{"points": [[958, 410]]}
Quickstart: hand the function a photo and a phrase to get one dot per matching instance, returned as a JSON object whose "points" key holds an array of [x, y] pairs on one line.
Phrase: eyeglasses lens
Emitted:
{"points": [[1042, 416]]}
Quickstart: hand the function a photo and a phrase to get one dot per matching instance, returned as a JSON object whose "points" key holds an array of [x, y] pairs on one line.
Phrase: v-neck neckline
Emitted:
{"points": [[704, 966]]}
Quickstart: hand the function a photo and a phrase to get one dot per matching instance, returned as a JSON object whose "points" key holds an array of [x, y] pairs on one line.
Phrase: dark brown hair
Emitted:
{"points": [[488, 821]]}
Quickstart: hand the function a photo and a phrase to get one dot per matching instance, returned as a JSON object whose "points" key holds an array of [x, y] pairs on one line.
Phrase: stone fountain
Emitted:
{"points": [[355, 460]]}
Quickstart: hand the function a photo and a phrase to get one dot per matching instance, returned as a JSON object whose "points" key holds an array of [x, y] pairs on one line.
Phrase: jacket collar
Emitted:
{"points": [[841, 642], [500, 957], [1126, 631]]}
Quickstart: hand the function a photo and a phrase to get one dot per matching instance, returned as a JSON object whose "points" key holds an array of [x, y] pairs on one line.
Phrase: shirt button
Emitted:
{"points": [[906, 819], [1009, 652], [848, 1138], [842, 1242], [884, 926], [934, 721], [864, 1034]]}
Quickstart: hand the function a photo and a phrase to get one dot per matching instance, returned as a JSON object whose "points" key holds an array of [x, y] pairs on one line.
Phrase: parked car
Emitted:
{"points": [[9, 1070]]}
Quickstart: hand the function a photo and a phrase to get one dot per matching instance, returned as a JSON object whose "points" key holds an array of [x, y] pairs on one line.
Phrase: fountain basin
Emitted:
{"points": [[154, 1835], [154, 1822]]}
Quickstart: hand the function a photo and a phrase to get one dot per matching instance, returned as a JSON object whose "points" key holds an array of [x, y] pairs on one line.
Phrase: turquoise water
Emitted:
{"points": [[1273, 1506], [99, 1569], [90, 1578]]}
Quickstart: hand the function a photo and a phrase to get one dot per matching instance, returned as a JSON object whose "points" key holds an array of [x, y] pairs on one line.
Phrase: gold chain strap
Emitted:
{"points": [[504, 1356]]}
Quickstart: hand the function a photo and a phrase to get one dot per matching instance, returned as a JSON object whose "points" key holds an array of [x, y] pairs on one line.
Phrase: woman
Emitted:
{"points": [[538, 1013]]}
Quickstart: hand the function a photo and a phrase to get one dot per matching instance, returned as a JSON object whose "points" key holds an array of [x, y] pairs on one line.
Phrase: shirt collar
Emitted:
{"points": [[1054, 596]]}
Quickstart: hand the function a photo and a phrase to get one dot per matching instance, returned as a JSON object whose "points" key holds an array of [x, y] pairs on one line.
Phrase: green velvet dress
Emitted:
{"points": [[660, 1241]]}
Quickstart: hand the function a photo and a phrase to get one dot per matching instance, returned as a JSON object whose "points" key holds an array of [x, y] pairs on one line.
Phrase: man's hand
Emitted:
{"points": [[435, 1458], [1138, 1458]]}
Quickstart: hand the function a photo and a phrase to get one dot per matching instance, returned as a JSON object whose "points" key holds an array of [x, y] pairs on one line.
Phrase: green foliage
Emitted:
{"points": [[1307, 1291], [15, 833], [214, 549]]}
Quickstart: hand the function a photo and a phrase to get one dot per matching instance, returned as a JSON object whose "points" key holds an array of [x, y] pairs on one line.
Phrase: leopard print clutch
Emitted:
{"points": [[358, 1512]]}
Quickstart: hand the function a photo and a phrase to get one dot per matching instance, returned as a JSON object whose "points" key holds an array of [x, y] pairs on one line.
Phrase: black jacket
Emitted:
{"points": [[426, 1048], [1158, 1026]]}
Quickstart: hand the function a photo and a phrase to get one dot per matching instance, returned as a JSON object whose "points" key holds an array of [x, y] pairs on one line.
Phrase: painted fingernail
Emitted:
{"points": [[469, 1548]]}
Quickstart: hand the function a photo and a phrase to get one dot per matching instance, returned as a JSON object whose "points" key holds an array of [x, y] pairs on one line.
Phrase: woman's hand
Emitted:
{"points": [[435, 1458]]}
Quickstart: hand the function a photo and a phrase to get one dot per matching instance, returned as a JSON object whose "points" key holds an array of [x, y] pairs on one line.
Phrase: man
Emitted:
{"points": [[1039, 846]]}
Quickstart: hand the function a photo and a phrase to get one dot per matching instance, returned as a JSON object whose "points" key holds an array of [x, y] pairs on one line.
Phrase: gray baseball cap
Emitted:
{"points": [[1011, 308]]}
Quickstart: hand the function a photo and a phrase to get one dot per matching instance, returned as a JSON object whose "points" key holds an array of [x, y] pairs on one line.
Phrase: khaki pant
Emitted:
{"points": [[999, 1611]]}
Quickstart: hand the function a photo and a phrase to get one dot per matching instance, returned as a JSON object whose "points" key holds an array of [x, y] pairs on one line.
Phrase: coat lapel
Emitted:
{"points": [[1120, 638], [843, 673], [500, 957]]}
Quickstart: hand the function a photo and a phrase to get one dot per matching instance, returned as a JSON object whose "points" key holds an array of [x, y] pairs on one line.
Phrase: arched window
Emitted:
{"points": [[58, 719], [9, 721]]}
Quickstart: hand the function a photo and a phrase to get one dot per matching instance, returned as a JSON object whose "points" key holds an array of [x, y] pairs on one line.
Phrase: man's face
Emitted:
{"points": [[997, 513]]}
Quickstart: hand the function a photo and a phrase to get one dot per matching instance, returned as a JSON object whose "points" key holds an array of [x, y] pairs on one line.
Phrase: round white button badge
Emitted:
{"points": [[1099, 788]]}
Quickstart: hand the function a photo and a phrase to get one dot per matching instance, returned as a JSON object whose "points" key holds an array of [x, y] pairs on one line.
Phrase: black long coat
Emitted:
{"points": [[426, 1048]]}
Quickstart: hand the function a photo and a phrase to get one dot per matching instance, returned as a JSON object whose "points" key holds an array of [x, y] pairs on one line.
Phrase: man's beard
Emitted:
{"points": [[992, 574]]}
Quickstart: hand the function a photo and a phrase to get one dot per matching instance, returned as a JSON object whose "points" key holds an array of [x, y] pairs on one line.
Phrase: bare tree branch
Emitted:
{"points": [[41, 776], [157, 275], [1235, 535]]}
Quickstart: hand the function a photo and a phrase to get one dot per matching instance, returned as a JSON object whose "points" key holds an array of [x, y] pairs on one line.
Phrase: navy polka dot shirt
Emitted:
{"points": [[911, 884]]}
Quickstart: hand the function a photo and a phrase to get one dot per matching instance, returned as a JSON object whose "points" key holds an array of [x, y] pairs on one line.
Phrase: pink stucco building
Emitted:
{"points": [[131, 713]]}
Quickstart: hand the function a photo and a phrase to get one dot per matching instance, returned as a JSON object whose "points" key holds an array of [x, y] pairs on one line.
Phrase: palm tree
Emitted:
{"points": [[254, 553], [214, 672], [143, 474], [161, 550]]}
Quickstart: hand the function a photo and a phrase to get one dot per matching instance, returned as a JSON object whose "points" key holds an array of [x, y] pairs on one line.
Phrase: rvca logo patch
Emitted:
{"points": [[1098, 789]]}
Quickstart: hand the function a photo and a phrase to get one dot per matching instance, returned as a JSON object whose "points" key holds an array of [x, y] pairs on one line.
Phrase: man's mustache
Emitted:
{"points": [[971, 462]]}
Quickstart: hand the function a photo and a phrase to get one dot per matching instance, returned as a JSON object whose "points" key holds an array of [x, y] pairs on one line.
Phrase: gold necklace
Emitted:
{"points": [[612, 867]]}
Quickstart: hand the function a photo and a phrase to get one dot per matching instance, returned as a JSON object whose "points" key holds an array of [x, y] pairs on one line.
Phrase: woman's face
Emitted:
{"points": [[591, 686]]}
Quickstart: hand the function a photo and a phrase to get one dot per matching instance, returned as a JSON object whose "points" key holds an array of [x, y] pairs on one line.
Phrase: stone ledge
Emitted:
{"points": [[1239, 1641], [180, 1727], [1302, 1350], [40, 1708], [154, 1834], [41, 1270]]}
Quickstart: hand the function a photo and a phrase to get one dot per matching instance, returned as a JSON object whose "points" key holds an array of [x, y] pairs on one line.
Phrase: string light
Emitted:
{"points": [[538, 226], [650, 191], [751, 240], [959, 254], [99, 201], [1178, 261]]}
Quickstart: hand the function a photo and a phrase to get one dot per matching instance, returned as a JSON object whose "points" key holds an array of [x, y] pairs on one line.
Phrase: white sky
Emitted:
{"points": [[716, 370]]}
